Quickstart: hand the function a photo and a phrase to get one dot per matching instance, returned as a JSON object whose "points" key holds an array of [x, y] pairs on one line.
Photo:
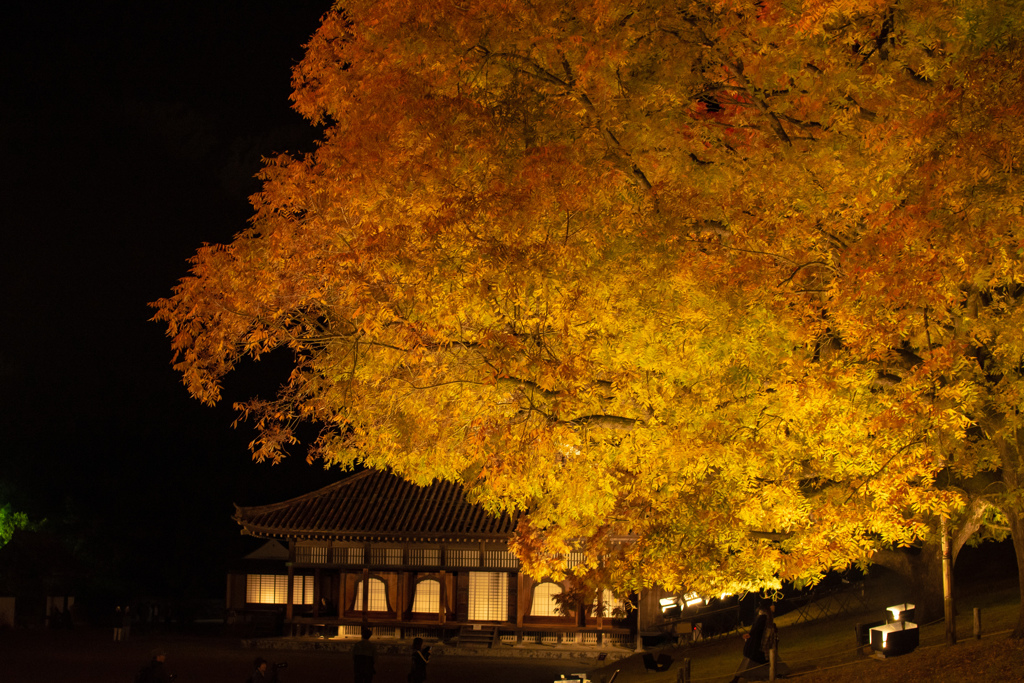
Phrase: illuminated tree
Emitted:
{"points": [[11, 521], [732, 281], [922, 567]]}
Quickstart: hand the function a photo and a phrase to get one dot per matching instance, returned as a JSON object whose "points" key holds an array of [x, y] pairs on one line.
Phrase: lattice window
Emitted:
{"points": [[386, 556], [272, 589], [613, 606], [266, 589], [500, 559], [353, 631], [351, 555], [378, 597], [457, 557], [610, 606], [303, 587], [574, 558], [425, 557], [544, 604], [311, 554], [427, 597], [488, 596]]}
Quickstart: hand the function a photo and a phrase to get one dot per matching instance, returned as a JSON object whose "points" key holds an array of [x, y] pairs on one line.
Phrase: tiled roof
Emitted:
{"points": [[376, 505]]}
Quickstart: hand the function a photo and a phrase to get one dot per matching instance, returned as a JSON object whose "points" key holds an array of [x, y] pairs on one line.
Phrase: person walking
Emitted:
{"points": [[759, 641], [420, 657], [118, 623], [126, 623], [364, 658]]}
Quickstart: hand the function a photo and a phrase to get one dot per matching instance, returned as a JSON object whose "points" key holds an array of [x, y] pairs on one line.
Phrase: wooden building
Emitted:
{"points": [[407, 561]]}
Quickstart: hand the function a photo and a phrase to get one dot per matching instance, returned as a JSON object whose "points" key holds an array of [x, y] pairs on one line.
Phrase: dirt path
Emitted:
{"points": [[90, 656]]}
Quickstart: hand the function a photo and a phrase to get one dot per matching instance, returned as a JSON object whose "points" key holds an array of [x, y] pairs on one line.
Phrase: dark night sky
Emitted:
{"points": [[129, 133]]}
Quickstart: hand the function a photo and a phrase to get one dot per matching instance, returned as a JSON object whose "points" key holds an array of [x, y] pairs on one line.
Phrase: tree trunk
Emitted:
{"points": [[922, 573], [1017, 532], [949, 609], [1010, 456]]}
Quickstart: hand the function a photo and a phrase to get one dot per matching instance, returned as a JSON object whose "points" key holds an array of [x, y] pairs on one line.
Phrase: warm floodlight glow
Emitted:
{"points": [[905, 637], [669, 603], [897, 610], [692, 599]]}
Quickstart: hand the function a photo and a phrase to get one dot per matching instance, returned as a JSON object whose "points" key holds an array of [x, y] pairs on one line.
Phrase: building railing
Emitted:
{"points": [[383, 557]]}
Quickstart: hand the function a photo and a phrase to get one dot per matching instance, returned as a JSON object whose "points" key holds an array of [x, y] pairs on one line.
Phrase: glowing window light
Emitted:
{"points": [[610, 605], [377, 601], [272, 589], [544, 603], [427, 598], [488, 596]]}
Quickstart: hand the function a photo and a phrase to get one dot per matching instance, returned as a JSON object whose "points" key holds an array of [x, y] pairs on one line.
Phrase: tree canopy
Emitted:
{"points": [[712, 291], [11, 521]]}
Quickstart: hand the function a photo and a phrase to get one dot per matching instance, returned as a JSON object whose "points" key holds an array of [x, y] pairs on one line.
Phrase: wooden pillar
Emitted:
{"points": [[400, 607], [230, 592], [405, 594], [442, 611], [290, 607], [977, 623], [316, 592], [365, 607], [520, 591], [341, 596]]}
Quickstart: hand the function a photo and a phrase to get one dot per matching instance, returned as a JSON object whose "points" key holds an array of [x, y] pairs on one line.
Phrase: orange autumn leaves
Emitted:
{"points": [[698, 277]]}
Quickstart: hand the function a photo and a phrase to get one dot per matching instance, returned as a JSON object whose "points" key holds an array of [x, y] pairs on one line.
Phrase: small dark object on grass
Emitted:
{"points": [[662, 663]]}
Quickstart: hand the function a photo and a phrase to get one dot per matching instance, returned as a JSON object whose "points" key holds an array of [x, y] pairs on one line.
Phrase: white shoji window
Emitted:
{"points": [[272, 589], [427, 598], [544, 604], [488, 596], [378, 598]]}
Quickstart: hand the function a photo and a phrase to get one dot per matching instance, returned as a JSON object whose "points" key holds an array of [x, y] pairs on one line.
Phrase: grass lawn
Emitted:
{"points": [[826, 650]]}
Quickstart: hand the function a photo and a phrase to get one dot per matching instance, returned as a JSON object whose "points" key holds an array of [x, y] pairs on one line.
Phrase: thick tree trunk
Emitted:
{"points": [[1010, 456], [922, 573], [923, 570], [1017, 532]]}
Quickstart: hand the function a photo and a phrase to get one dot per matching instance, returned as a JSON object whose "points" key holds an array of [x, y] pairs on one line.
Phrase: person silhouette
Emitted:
{"points": [[364, 658]]}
